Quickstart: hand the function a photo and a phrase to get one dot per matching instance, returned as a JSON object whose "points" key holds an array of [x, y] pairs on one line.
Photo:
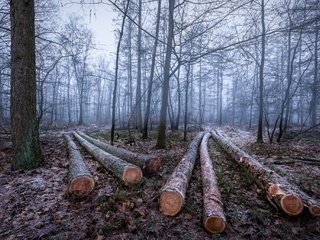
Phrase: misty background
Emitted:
{"points": [[215, 69]]}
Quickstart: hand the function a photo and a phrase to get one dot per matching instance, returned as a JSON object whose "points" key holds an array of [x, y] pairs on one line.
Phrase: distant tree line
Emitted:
{"points": [[180, 64]]}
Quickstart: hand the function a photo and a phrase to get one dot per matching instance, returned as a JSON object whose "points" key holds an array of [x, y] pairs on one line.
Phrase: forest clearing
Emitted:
{"points": [[41, 208]]}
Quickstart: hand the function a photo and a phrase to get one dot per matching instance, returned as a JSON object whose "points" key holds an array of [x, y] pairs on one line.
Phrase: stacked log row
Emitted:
{"points": [[149, 164], [81, 182], [214, 220], [125, 171], [285, 195], [172, 194]]}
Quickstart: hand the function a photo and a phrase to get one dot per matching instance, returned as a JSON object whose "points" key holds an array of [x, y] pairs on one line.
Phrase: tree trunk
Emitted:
{"points": [[214, 220], [149, 164], [287, 196], [186, 103], [127, 172], [161, 139], [261, 75], [315, 81], [138, 91], [173, 193], [81, 182], [115, 86], [153, 63], [25, 127]]}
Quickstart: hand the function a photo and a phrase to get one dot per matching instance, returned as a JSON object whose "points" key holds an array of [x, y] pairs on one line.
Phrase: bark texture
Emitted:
{"points": [[173, 193], [287, 196], [125, 171], [214, 220], [149, 164], [81, 182], [25, 127]]}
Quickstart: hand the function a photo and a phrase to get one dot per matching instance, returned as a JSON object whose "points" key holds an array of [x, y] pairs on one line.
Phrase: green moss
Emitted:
{"points": [[27, 152]]}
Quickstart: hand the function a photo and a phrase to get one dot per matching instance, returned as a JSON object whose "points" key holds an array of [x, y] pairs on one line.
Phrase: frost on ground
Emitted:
{"points": [[34, 204]]}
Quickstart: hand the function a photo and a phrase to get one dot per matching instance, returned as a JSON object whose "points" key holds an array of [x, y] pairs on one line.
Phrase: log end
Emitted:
{"points": [[132, 175], [291, 204], [214, 224], [170, 203], [315, 210], [81, 186], [274, 189], [152, 166]]}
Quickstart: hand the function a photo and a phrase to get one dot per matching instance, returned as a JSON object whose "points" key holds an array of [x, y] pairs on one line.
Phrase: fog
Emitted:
{"points": [[221, 71]]}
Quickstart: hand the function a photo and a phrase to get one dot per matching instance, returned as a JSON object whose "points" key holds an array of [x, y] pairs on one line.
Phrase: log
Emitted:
{"points": [[285, 195], [214, 220], [127, 172], [81, 182], [149, 164], [172, 194]]}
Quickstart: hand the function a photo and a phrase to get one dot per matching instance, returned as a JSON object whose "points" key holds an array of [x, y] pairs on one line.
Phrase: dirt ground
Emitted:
{"points": [[34, 204]]}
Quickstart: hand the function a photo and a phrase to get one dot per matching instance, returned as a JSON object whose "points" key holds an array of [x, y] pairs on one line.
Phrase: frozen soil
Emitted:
{"points": [[34, 204]]}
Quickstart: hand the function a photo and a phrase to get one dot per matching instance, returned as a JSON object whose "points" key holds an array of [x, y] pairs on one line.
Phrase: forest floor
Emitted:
{"points": [[34, 204]]}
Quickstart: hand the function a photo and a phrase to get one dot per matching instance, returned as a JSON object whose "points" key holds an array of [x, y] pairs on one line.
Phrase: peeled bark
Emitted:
{"points": [[149, 164], [214, 220], [285, 195], [81, 182], [125, 171], [173, 193]]}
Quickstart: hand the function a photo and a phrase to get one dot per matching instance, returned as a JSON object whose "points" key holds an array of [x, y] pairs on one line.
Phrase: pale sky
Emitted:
{"points": [[98, 18]]}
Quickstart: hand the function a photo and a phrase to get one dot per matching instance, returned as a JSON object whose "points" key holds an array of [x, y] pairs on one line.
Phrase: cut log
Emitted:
{"points": [[149, 164], [266, 178], [214, 220], [172, 194], [125, 171], [81, 182], [287, 196]]}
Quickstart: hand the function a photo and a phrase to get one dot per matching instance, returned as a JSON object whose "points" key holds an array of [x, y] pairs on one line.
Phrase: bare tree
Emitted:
{"points": [[153, 63], [261, 73], [114, 97], [161, 139]]}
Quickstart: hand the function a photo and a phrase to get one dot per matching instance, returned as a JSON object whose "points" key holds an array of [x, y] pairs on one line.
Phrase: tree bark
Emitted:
{"points": [[287, 196], [315, 85], [115, 86], [138, 91], [261, 75], [25, 127], [153, 63], [161, 139], [173, 193], [149, 164], [214, 220], [81, 182], [127, 172]]}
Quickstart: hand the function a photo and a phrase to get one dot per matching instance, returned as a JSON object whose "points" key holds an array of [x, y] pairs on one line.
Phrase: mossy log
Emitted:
{"points": [[81, 182], [172, 194], [149, 164], [125, 171], [287, 196], [214, 220]]}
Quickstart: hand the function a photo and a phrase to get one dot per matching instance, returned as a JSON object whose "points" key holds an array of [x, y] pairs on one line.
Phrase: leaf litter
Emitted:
{"points": [[34, 204]]}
